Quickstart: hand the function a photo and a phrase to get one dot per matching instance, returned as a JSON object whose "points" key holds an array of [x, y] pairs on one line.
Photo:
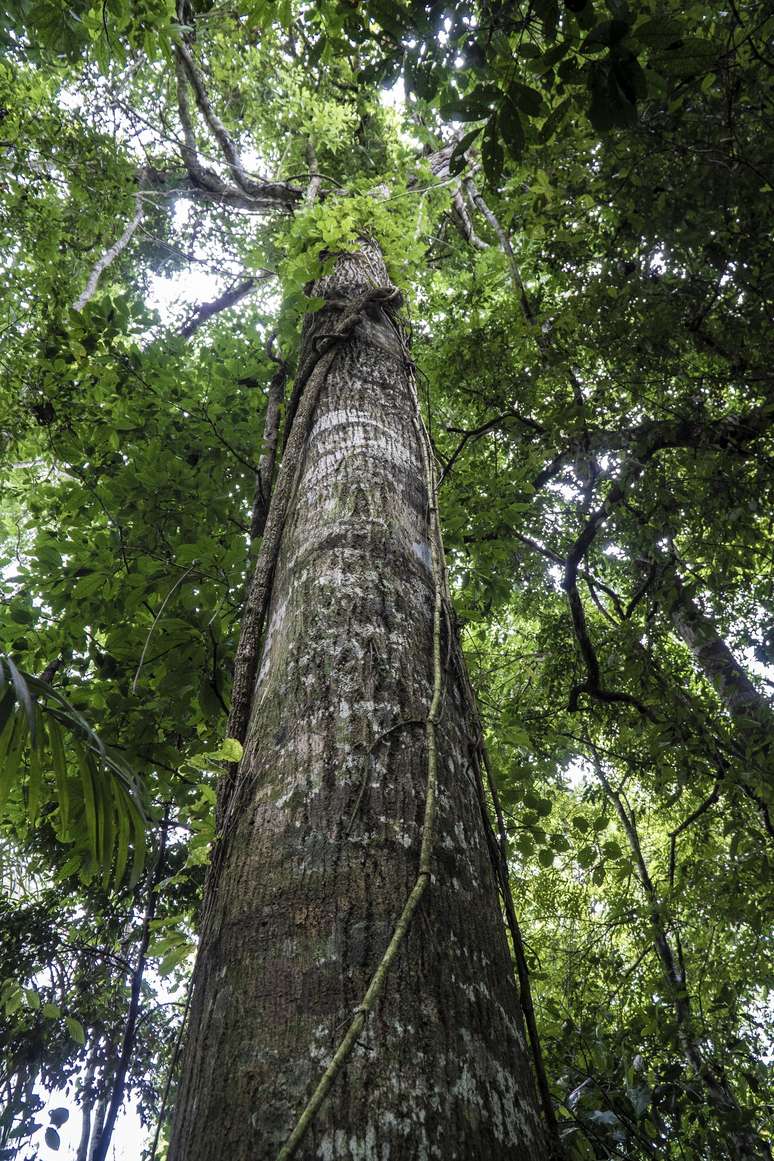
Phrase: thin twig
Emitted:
{"points": [[176, 585]]}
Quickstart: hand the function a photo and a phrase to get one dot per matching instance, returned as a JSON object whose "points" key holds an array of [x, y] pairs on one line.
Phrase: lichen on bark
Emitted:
{"points": [[324, 846]]}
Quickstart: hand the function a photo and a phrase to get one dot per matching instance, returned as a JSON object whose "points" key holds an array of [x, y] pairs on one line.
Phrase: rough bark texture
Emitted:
{"points": [[325, 845]]}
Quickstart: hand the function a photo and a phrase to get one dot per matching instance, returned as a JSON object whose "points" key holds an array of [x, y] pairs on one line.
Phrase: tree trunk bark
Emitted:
{"points": [[327, 825], [751, 713], [98, 1124]]}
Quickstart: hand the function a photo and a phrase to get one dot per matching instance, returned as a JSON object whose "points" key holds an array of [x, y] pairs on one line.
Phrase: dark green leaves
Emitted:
{"points": [[605, 35], [492, 155], [511, 128], [457, 161], [614, 86], [524, 97], [473, 106]]}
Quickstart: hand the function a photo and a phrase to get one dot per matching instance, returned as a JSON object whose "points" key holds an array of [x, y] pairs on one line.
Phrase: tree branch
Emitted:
{"points": [[246, 194], [228, 299], [113, 252], [259, 191]]}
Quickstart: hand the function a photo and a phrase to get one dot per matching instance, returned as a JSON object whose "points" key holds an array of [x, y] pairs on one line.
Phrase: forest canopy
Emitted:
{"points": [[574, 200]]}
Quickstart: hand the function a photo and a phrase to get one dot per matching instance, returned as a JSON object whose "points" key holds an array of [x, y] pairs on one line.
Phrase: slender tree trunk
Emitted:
{"points": [[97, 1126], [750, 711], [103, 1137], [87, 1104], [323, 848], [742, 1143]]}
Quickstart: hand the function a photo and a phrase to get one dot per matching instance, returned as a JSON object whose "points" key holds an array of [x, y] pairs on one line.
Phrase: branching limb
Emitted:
{"points": [[593, 683], [214, 123], [745, 1142], [507, 248], [201, 176], [113, 252], [484, 429], [464, 223], [709, 801], [730, 432], [247, 192], [229, 298]]}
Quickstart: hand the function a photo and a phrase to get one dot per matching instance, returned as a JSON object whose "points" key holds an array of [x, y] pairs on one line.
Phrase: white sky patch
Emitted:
{"points": [[394, 97], [578, 774], [127, 1143], [188, 288]]}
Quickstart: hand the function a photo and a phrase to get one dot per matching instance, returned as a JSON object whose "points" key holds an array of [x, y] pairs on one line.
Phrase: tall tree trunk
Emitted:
{"points": [[327, 819], [98, 1124]]}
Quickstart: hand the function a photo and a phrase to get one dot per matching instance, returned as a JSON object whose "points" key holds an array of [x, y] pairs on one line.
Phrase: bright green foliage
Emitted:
{"points": [[598, 391]]}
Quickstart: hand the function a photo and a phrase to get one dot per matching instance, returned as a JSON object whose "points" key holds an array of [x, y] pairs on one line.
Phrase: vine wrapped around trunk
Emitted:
{"points": [[323, 828]]}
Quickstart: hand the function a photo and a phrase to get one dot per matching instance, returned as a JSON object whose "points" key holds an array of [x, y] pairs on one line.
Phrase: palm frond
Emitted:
{"points": [[51, 757]]}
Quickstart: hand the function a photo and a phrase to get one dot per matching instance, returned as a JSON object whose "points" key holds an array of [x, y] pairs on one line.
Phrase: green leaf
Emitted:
{"points": [[35, 784], [60, 773], [174, 957], [11, 749], [230, 751], [75, 1028], [554, 120], [474, 106], [524, 97], [52, 1138], [659, 34], [58, 1116], [511, 128], [86, 767], [22, 692], [606, 34], [492, 155], [458, 161]]}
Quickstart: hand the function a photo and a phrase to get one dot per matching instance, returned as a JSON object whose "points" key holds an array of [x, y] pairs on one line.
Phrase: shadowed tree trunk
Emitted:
{"points": [[327, 817], [742, 1141], [87, 1104], [750, 711]]}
